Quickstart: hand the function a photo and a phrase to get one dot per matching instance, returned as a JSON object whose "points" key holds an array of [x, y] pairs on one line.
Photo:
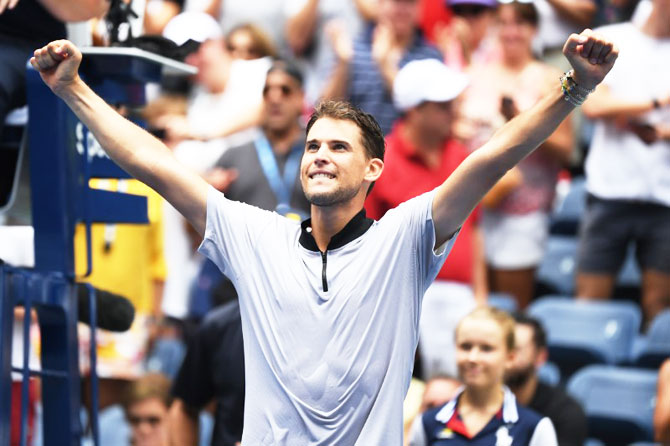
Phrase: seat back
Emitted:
{"points": [[601, 329], [657, 343], [556, 273], [619, 402]]}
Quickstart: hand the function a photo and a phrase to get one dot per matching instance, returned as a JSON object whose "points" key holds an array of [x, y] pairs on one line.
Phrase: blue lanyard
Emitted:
{"points": [[281, 187]]}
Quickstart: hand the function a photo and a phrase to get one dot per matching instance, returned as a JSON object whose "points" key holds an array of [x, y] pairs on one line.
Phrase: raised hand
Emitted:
{"points": [[58, 64], [591, 56]]}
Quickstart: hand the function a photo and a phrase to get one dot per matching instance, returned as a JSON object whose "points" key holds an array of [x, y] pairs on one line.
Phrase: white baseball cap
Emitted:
{"points": [[426, 80], [198, 26]]}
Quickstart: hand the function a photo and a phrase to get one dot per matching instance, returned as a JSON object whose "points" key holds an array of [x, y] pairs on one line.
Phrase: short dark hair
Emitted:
{"points": [[539, 334], [151, 385], [371, 134], [526, 12], [289, 68]]}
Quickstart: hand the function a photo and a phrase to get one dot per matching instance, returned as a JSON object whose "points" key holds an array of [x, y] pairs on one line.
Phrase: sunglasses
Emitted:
{"points": [[285, 90], [152, 421], [469, 10]]}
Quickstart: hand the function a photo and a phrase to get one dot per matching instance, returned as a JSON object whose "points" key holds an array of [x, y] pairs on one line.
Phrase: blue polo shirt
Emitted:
{"points": [[367, 88], [513, 425]]}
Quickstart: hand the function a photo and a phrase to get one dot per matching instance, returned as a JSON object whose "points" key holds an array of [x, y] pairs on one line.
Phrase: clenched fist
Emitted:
{"points": [[58, 64]]}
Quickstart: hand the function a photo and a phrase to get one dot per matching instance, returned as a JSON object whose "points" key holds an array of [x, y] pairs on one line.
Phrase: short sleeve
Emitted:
{"points": [[544, 434], [417, 217], [231, 231]]}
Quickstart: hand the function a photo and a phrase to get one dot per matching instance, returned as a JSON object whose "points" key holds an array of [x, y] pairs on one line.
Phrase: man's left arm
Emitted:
{"points": [[592, 57]]}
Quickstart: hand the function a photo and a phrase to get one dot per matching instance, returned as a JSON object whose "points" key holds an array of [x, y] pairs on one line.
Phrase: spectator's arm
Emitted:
{"points": [[336, 88], [579, 12], [461, 192], [157, 14], [300, 27], [368, 9], [75, 10], [213, 8], [602, 104], [7, 4], [662, 411], [136, 151], [183, 424]]}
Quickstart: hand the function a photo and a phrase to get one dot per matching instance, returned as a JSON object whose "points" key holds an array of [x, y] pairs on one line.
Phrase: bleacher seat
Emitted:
{"points": [[565, 219], [619, 402], [656, 346], [580, 333], [556, 273], [550, 374], [503, 301]]}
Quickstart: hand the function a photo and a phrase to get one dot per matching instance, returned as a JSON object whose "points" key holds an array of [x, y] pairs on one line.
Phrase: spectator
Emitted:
{"points": [[227, 97], [662, 412], [249, 42], [420, 155], [268, 15], [564, 412], [213, 367], [628, 166], [557, 20], [516, 212], [213, 370], [483, 412], [146, 405], [470, 39], [364, 72], [24, 26], [305, 22]]}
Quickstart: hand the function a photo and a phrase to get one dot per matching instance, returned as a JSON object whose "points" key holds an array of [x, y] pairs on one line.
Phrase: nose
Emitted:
{"points": [[322, 156], [473, 354]]}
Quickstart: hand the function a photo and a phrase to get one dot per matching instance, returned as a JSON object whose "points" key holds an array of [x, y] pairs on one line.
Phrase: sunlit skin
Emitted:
{"points": [[401, 15], [335, 174], [148, 421]]}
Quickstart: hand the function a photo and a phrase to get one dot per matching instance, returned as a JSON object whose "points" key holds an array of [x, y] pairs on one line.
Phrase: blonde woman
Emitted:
{"points": [[484, 411]]}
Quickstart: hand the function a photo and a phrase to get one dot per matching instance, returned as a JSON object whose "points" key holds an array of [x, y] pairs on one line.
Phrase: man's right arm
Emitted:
{"points": [[183, 423], [136, 151]]}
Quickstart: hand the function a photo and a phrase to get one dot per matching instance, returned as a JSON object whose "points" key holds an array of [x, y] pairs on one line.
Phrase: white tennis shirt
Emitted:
{"points": [[326, 367]]}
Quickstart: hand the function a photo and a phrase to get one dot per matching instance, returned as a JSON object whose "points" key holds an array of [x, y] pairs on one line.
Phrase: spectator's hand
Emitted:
{"points": [[7, 4], [340, 40], [508, 107], [58, 64], [383, 49], [591, 56], [177, 128], [647, 133], [220, 178]]}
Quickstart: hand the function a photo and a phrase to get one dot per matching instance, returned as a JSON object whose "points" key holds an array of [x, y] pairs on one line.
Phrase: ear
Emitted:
{"points": [[541, 358], [374, 169]]}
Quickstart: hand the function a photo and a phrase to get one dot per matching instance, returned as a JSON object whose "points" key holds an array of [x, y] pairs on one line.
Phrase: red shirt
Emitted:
{"points": [[406, 176], [433, 13]]}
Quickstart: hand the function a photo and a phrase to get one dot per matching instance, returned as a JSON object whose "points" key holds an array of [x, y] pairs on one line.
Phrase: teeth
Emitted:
{"points": [[322, 175]]}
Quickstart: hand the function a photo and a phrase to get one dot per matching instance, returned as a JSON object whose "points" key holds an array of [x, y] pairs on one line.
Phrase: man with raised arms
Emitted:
{"points": [[330, 307]]}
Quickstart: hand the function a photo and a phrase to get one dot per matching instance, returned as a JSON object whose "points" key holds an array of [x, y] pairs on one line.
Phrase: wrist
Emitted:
{"points": [[66, 88]]}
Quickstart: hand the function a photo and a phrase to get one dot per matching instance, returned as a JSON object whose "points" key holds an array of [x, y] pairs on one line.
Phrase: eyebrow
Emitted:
{"points": [[330, 142]]}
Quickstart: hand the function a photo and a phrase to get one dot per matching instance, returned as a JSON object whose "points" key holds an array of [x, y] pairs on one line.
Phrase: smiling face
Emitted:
{"points": [[335, 166], [482, 355]]}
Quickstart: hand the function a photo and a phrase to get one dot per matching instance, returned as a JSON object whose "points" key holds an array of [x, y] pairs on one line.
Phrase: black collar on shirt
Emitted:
{"points": [[356, 227]]}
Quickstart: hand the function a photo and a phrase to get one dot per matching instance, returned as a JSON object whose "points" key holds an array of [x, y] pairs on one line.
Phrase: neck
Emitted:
{"points": [[329, 220], [281, 140], [481, 399], [402, 40], [658, 24], [525, 393], [516, 62], [429, 147]]}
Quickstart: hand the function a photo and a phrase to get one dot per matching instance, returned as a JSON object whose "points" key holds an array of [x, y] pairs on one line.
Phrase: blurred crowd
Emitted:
{"points": [[441, 77]]}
